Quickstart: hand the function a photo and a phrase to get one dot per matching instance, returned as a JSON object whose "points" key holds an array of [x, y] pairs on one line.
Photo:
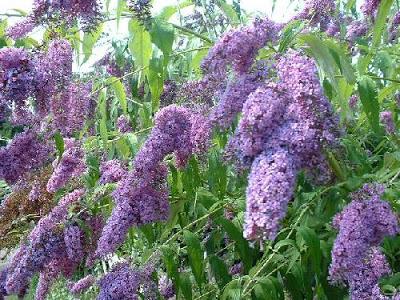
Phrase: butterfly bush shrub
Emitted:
{"points": [[205, 153]]}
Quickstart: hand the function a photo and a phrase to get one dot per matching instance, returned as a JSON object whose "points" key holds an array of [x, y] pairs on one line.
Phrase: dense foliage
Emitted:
{"points": [[209, 154]]}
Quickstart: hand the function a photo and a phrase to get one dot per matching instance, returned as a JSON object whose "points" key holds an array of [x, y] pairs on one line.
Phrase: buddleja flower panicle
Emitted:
{"points": [[25, 153], [318, 12], [121, 283], [17, 74], [270, 188], [82, 285], [362, 226], [70, 165], [141, 9], [237, 49], [142, 195], [45, 249], [58, 12]]}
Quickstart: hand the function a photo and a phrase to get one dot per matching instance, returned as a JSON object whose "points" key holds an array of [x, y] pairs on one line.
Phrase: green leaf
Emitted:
{"points": [[313, 243], [168, 256], [241, 245], [168, 11], [197, 59], [232, 291], [321, 53], [191, 177], [119, 91], [294, 282], [195, 254], [123, 148], [89, 40], [162, 35], [379, 26], [327, 63], [59, 144], [93, 166], [289, 33], [20, 11], [336, 167], [156, 82], [342, 60], [385, 63], [369, 99], [107, 4], [103, 118], [217, 175], [381, 21], [186, 285], [220, 271], [229, 11], [120, 8], [139, 44], [394, 280], [269, 289]]}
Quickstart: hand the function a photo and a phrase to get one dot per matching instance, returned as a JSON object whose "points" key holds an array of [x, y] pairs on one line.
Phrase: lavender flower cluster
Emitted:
{"points": [[25, 153], [44, 245], [17, 74], [370, 7], [284, 128], [111, 171], [142, 195], [73, 237], [232, 99], [356, 29], [47, 79], [141, 9], [237, 49], [362, 225], [388, 121], [53, 251], [166, 287], [88, 12], [59, 266], [393, 30], [235, 53], [3, 278], [70, 165], [113, 66], [169, 93], [270, 188], [318, 11], [121, 283], [123, 124], [71, 107], [82, 285]]}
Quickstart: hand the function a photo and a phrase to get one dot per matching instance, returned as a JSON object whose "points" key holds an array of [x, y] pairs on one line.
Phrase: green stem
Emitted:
{"points": [[136, 133], [117, 79], [12, 15], [385, 78], [189, 50], [205, 294], [193, 223], [247, 289], [191, 32], [185, 228], [375, 77]]}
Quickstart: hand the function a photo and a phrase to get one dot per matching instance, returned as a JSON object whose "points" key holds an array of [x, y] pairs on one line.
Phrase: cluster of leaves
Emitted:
{"points": [[201, 246]]}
